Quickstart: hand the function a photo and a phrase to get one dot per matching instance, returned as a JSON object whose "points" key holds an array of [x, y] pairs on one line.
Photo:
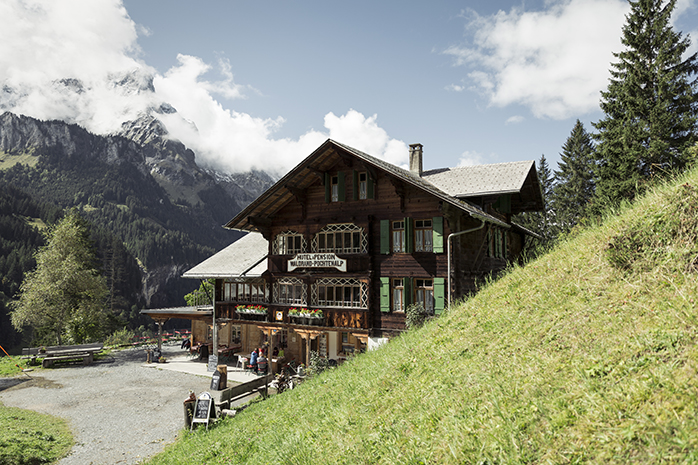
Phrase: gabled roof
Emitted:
{"points": [[307, 172], [245, 257], [468, 181]]}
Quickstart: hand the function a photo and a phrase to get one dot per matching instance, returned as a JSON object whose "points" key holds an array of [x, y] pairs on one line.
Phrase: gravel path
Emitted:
{"points": [[120, 411]]}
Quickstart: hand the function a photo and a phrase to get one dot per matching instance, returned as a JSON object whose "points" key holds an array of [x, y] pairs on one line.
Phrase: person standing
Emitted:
{"points": [[253, 360]]}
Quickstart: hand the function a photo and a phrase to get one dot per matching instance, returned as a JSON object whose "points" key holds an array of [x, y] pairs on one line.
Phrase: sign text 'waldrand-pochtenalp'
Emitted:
{"points": [[317, 260]]}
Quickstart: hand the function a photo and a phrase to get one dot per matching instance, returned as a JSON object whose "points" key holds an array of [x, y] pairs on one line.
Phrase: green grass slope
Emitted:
{"points": [[586, 355]]}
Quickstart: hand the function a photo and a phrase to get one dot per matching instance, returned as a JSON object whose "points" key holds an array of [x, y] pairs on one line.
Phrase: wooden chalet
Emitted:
{"points": [[344, 243]]}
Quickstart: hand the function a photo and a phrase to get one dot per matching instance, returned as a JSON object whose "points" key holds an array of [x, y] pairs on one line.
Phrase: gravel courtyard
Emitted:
{"points": [[120, 412]]}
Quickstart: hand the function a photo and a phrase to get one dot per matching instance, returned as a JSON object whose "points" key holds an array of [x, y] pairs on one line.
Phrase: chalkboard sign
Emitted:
{"points": [[202, 410], [216, 381], [212, 362]]}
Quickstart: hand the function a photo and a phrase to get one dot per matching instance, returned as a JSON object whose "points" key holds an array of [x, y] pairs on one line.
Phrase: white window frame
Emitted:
{"points": [[280, 246], [358, 298], [297, 296], [356, 235]]}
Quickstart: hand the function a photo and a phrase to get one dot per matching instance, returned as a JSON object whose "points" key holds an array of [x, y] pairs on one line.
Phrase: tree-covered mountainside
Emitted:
{"points": [[23, 222], [141, 187]]}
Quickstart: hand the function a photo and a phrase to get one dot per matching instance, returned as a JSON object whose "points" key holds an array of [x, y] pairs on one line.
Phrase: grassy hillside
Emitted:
{"points": [[587, 355]]}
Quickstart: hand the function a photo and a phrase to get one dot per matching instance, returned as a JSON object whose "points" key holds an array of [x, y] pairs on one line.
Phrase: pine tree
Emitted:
{"points": [[650, 104], [574, 179]]}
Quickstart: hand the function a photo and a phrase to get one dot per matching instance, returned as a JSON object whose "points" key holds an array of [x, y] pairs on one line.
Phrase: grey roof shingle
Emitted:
{"points": [[244, 257], [469, 181]]}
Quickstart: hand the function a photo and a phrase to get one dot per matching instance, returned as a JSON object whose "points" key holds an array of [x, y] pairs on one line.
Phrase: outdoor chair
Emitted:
{"points": [[242, 361]]}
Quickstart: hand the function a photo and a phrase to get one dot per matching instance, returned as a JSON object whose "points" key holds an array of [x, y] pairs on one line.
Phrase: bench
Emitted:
{"points": [[51, 354], [86, 358], [229, 395]]}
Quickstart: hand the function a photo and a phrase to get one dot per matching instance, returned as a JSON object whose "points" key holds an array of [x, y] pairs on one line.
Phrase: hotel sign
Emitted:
{"points": [[317, 260]]}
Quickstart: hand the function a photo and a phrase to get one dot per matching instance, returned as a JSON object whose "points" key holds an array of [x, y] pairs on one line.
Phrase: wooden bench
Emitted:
{"points": [[51, 354], [226, 396], [86, 358]]}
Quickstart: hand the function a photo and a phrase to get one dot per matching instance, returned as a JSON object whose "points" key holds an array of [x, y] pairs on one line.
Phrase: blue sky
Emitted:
{"points": [[261, 84]]}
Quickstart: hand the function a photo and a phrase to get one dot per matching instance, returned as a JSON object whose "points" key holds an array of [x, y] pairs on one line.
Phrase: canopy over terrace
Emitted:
{"points": [[161, 315]]}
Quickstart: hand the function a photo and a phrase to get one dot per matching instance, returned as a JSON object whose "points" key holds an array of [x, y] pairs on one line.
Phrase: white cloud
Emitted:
{"points": [[515, 119], [469, 158], [455, 88], [69, 59], [364, 134], [555, 61]]}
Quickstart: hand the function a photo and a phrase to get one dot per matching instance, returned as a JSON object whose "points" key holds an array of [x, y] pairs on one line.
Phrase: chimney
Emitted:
{"points": [[416, 159]]}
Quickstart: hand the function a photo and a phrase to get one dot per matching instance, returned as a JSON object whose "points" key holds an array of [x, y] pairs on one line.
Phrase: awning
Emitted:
{"points": [[185, 313]]}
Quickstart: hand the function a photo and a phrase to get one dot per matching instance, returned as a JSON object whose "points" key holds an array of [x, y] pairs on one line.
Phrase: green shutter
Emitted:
{"points": [[370, 189], [409, 236], [385, 295], [438, 234], [439, 294], [385, 237], [409, 294], [341, 188], [504, 244], [328, 188], [355, 185]]}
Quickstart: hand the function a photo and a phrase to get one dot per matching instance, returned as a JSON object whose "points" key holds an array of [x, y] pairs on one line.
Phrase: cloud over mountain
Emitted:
{"points": [[79, 61]]}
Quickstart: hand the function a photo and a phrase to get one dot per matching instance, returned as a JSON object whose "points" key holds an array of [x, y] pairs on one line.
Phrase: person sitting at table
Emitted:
{"points": [[253, 360], [275, 352], [261, 362]]}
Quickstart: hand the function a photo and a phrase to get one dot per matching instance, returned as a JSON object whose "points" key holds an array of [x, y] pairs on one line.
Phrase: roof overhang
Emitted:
{"points": [[185, 313], [255, 217]]}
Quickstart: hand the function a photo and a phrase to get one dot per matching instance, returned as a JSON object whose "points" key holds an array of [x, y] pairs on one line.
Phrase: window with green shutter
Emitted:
{"points": [[341, 187], [438, 235], [385, 295], [439, 295]]}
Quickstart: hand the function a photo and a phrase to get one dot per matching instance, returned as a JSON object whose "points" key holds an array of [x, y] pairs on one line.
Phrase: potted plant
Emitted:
{"points": [[296, 315], [315, 317]]}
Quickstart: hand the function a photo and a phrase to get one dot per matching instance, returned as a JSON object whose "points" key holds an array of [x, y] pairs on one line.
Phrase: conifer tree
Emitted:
{"points": [[650, 104], [574, 179]]}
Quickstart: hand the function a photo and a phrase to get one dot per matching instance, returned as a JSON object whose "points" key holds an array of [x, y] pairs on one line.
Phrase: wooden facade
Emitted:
{"points": [[361, 240]]}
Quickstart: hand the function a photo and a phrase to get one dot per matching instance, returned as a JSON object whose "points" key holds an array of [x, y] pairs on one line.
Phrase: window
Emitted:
{"points": [[335, 188], [291, 291], [235, 334], [340, 292], [497, 243], [289, 243], [424, 293], [249, 291], [343, 238], [423, 234], [398, 295], [398, 236], [363, 186], [408, 235]]}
